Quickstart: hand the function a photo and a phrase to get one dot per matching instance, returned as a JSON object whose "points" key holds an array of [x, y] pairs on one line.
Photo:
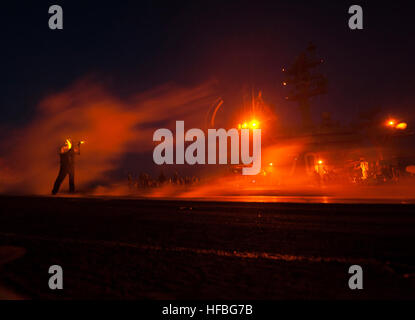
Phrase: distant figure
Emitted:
{"points": [[175, 178], [144, 180], [130, 180], [162, 178], [67, 165]]}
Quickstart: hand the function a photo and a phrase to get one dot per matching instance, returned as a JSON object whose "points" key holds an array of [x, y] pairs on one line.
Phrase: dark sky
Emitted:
{"points": [[137, 45]]}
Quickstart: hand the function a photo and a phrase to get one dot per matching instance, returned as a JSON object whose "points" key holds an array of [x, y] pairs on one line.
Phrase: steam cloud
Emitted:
{"points": [[110, 126]]}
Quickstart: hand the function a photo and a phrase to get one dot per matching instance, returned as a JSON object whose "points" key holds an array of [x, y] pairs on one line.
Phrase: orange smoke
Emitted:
{"points": [[113, 127]]}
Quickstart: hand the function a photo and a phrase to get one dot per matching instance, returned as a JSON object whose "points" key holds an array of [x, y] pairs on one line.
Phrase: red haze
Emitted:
{"points": [[111, 128]]}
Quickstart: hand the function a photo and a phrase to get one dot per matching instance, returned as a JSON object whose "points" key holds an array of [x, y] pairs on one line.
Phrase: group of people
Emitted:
{"points": [[67, 154], [376, 172], [362, 172], [144, 180]]}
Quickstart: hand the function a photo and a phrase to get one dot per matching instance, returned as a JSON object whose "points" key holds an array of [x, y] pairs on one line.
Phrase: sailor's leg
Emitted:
{"points": [[59, 179], [71, 180]]}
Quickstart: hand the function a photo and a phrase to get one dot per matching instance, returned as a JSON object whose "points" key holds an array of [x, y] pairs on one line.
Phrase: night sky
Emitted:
{"points": [[134, 46]]}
